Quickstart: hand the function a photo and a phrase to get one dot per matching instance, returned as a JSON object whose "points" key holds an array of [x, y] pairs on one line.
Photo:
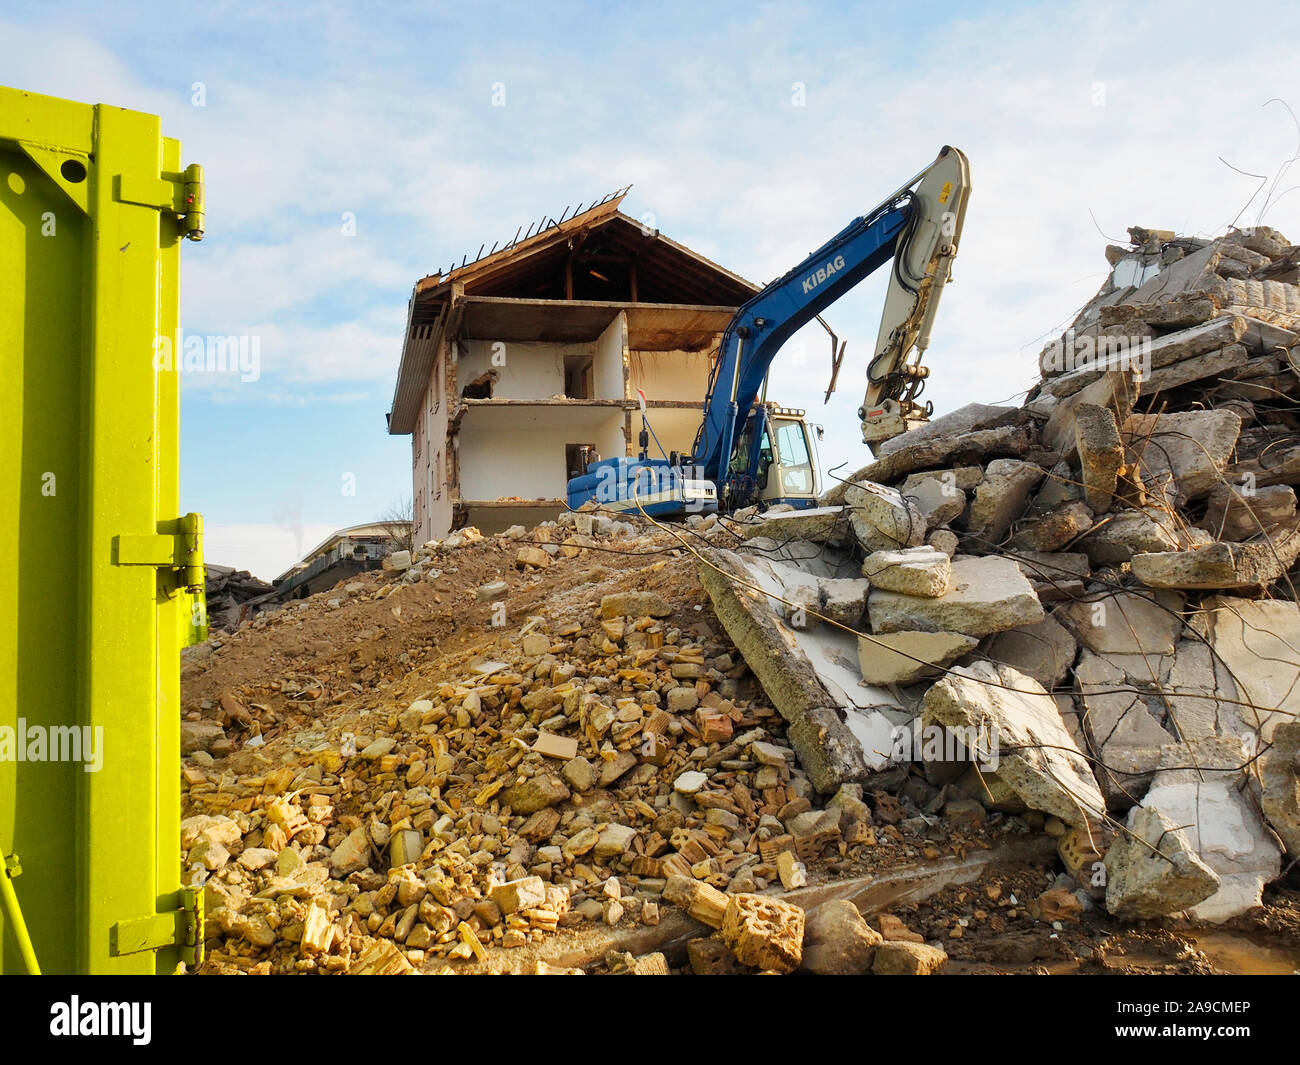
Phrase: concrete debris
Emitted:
{"points": [[1256, 650], [1201, 786], [1125, 622], [1101, 454], [1180, 456], [818, 525], [1152, 870], [921, 571], [1000, 499], [1254, 564], [967, 419], [232, 596], [883, 519], [987, 594], [838, 942], [938, 497], [906, 657], [1121, 728], [1233, 513], [1009, 441], [1044, 650], [1021, 730], [1279, 776], [1054, 530]]}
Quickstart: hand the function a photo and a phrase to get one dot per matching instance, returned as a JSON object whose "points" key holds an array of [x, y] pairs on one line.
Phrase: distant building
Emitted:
{"points": [[520, 367], [339, 555]]}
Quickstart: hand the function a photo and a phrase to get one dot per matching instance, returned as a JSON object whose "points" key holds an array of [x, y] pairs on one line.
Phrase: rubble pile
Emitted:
{"points": [[586, 765], [227, 592], [1092, 592]]}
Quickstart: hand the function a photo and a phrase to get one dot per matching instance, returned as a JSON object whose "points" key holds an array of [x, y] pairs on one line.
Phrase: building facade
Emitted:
{"points": [[519, 368]]}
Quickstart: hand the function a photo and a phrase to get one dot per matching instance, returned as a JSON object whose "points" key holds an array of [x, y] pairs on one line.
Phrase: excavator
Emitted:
{"points": [[748, 451]]}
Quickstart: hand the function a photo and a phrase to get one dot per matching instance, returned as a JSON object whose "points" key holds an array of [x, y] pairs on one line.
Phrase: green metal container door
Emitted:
{"points": [[94, 605]]}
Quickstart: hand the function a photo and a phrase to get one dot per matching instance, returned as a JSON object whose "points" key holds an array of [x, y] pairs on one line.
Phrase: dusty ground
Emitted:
{"points": [[295, 674]]}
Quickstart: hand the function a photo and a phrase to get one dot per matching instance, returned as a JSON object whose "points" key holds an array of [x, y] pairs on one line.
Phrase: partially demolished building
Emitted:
{"points": [[1099, 584], [520, 367]]}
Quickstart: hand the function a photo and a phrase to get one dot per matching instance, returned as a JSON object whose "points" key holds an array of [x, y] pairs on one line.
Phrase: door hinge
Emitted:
{"points": [[182, 928], [180, 551], [182, 196]]}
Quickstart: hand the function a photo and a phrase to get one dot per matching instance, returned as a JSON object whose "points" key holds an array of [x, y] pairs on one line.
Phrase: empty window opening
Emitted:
{"points": [[577, 457]]}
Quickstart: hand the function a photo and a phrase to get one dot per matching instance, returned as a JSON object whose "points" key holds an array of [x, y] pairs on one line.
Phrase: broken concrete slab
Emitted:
{"points": [[1152, 870], [1116, 390], [1254, 563], [819, 525], [1036, 757], [893, 658], [1256, 646], [1279, 781], [1212, 364], [1181, 456], [914, 571], [843, 599], [987, 594], [1044, 651], [1190, 695], [1197, 340], [967, 419], [1236, 512], [1200, 786], [838, 726], [1125, 737], [1009, 441], [1002, 497], [944, 540], [958, 478], [882, 519], [1054, 530], [818, 559], [1125, 622], [1120, 536], [936, 496], [1101, 454]]}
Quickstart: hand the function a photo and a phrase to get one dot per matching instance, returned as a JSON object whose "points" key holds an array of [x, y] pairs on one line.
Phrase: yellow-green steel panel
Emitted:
{"points": [[91, 431]]}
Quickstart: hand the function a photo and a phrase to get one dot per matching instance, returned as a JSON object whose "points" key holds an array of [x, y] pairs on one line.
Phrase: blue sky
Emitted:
{"points": [[316, 113]]}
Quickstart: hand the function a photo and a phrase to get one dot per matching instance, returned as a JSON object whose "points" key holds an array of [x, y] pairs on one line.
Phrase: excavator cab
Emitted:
{"points": [[781, 457]]}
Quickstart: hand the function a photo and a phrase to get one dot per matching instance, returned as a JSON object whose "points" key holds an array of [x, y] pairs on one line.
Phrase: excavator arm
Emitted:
{"points": [[918, 227]]}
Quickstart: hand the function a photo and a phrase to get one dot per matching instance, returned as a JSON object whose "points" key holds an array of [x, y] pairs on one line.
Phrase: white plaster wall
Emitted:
{"points": [[528, 463], [611, 349], [529, 371]]}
